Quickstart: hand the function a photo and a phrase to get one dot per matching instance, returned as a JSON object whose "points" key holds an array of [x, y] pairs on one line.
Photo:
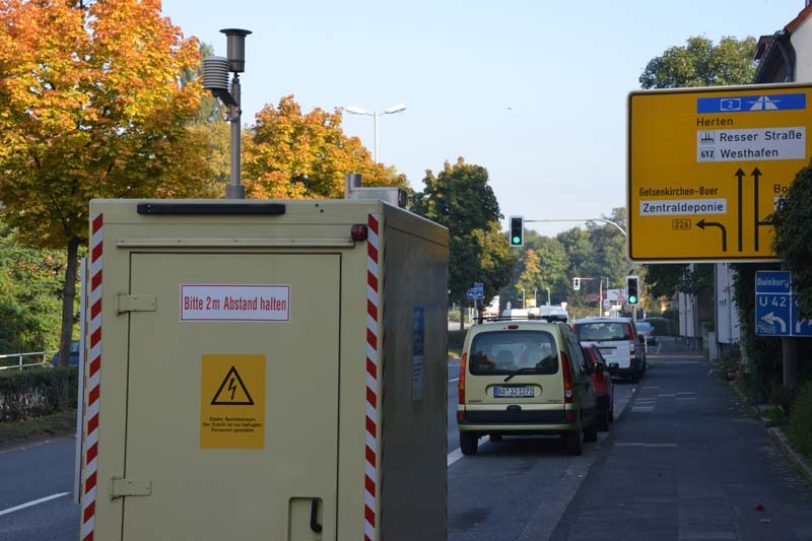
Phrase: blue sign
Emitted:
{"points": [[774, 282], [418, 330], [801, 327], [477, 292], [776, 307], [748, 104]]}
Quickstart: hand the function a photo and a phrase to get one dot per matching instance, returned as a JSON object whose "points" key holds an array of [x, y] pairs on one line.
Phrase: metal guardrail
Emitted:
{"points": [[42, 355]]}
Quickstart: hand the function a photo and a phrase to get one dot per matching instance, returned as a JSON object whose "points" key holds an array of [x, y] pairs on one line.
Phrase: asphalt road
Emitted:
{"points": [[686, 463], [681, 462], [36, 493], [516, 489]]}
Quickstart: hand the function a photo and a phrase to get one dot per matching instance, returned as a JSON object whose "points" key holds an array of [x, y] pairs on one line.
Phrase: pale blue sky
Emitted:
{"points": [[532, 90]]}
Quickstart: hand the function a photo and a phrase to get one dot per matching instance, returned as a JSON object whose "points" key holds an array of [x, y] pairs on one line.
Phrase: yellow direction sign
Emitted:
{"points": [[706, 168], [232, 402]]}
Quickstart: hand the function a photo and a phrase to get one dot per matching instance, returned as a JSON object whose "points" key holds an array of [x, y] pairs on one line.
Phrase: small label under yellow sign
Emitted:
{"points": [[232, 402]]}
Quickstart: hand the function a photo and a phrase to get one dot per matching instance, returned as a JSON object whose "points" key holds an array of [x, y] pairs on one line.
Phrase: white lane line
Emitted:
{"points": [[453, 380], [456, 454], [32, 503]]}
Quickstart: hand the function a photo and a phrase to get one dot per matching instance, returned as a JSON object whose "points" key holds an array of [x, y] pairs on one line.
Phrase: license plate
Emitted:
{"points": [[513, 392]]}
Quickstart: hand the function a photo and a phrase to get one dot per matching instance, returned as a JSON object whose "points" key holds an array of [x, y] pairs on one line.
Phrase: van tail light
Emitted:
{"points": [[461, 384], [630, 332], [632, 348], [567, 371]]}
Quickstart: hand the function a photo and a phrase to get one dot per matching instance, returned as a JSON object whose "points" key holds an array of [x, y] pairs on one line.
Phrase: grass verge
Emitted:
{"points": [[57, 424]]}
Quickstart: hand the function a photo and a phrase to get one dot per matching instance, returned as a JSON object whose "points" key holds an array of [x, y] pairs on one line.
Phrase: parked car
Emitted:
{"points": [[646, 333], [73, 357], [616, 338], [524, 377], [603, 385]]}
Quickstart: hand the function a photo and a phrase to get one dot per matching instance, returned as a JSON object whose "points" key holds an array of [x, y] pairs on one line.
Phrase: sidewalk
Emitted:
{"points": [[686, 464]]}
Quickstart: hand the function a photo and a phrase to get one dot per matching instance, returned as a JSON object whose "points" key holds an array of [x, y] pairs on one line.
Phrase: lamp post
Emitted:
{"points": [[375, 114]]}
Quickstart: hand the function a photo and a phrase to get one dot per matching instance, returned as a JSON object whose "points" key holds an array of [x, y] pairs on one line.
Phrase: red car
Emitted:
{"points": [[604, 388]]}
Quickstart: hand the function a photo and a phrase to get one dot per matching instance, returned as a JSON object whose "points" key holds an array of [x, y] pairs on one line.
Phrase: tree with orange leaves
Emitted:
{"points": [[91, 105], [294, 155]]}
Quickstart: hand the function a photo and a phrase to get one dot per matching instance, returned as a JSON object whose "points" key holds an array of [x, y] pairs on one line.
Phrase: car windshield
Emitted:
{"points": [[604, 330], [643, 326], [495, 353]]}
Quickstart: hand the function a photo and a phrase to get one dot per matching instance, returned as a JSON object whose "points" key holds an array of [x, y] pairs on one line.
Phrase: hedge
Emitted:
{"points": [[800, 421], [37, 391]]}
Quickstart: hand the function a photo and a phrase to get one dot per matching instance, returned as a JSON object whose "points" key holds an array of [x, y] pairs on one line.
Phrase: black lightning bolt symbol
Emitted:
{"points": [[232, 388]]}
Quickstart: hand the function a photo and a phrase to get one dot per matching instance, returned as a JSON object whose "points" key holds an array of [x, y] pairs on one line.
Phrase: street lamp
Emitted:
{"points": [[399, 108]]}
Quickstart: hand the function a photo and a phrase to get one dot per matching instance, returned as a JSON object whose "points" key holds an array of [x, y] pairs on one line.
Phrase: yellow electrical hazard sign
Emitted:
{"points": [[232, 402]]}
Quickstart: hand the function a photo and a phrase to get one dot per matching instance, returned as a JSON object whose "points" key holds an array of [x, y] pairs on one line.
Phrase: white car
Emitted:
{"points": [[617, 340]]}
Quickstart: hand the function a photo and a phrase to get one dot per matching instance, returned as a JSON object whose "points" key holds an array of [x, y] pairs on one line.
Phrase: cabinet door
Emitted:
{"points": [[232, 404]]}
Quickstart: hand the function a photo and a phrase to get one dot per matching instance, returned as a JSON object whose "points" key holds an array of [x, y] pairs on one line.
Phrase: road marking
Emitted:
{"points": [[456, 454], [32, 503], [453, 380]]}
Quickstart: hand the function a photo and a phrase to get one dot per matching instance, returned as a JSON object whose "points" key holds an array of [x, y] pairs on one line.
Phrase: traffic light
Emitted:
{"points": [[516, 231], [576, 284], [633, 289]]}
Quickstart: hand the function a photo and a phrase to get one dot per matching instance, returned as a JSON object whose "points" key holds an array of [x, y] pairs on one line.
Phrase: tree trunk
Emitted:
{"points": [[462, 315], [68, 296]]}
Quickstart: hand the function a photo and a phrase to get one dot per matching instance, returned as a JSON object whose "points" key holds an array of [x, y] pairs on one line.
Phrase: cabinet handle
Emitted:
{"points": [[314, 513]]}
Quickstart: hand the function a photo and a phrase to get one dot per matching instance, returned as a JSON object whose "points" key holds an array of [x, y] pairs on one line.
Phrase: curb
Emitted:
{"points": [[775, 433], [781, 441]]}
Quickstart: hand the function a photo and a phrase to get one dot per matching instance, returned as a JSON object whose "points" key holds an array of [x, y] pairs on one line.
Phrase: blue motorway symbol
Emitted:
{"points": [[747, 104], [773, 314]]}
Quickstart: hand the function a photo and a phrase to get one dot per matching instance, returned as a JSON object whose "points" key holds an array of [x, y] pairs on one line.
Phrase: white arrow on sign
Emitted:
{"points": [[772, 319], [802, 322]]}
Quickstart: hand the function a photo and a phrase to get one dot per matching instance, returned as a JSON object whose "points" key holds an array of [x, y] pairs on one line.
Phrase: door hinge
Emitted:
{"points": [[131, 487], [136, 303]]}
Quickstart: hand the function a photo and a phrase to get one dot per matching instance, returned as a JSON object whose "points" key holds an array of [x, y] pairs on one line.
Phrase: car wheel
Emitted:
{"points": [[468, 443], [573, 441], [496, 437], [591, 431], [602, 421]]}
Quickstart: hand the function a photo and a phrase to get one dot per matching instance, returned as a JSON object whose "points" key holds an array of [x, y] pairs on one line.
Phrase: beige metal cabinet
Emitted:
{"points": [[264, 370]]}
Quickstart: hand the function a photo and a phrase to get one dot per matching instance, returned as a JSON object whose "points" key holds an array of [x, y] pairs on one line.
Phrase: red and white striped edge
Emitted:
{"points": [[373, 376], [91, 447]]}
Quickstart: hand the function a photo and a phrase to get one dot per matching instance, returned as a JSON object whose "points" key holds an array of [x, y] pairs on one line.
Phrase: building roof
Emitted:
{"points": [[771, 51]]}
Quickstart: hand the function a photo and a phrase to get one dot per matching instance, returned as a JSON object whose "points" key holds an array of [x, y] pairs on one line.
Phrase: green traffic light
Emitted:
{"points": [[632, 299], [517, 240]]}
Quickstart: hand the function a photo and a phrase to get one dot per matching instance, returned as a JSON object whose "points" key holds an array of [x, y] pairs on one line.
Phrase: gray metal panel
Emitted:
{"points": [[413, 476]]}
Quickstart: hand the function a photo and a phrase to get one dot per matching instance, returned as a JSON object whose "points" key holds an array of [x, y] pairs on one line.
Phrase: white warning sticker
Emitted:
{"points": [[216, 302]]}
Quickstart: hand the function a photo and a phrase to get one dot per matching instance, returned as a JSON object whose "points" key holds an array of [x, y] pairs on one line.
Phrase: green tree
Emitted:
{"points": [[30, 286], [530, 276], [460, 198], [701, 63], [793, 237], [91, 106]]}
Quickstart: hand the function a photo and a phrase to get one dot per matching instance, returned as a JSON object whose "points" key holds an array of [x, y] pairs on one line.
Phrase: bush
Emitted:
{"points": [[35, 392], [800, 422], [729, 365]]}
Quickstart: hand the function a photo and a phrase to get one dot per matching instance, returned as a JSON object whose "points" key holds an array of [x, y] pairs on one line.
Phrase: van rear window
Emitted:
{"points": [[598, 332], [495, 353]]}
